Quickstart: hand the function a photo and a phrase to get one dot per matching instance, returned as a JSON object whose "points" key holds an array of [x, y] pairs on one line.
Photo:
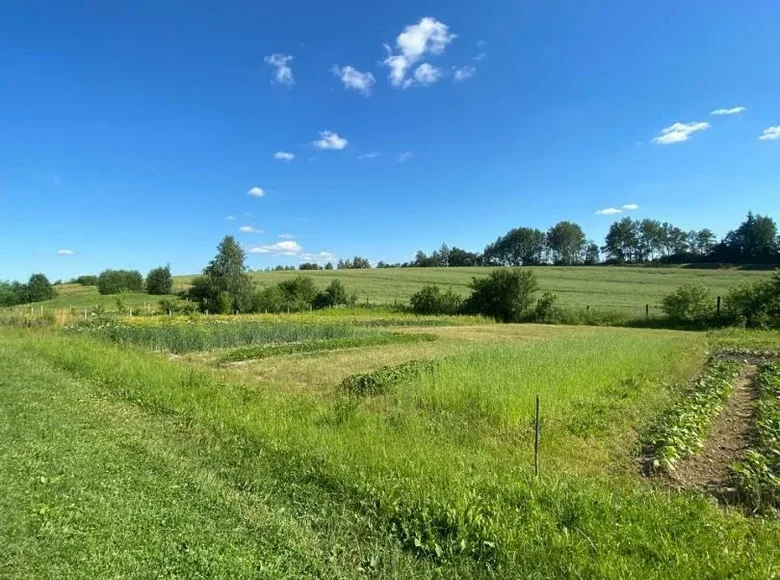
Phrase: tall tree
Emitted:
{"points": [[520, 246], [566, 242], [622, 241], [652, 235], [755, 239], [39, 289], [592, 253], [224, 286], [159, 281]]}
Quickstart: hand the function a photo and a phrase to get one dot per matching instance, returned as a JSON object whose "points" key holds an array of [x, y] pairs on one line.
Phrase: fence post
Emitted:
{"points": [[536, 440], [647, 311], [718, 306]]}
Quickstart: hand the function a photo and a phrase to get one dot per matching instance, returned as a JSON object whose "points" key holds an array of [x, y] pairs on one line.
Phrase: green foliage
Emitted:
{"points": [[431, 300], [159, 281], [519, 247], [755, 305], [309, 266], [39, 289], [689, 304], [505, 295], [267, 350], [87, 280], [757, 476], [682, 430], [118, 281], [382, 379], [546, 310], [334, 295], [224, 275], [356, 263], [566, 242]]}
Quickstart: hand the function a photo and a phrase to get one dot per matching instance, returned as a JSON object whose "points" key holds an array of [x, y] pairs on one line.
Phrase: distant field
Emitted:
{"points": [[623, 289], [87, 297]]}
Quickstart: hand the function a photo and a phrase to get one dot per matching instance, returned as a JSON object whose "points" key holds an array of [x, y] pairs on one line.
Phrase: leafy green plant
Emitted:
{"points": [[381, 379], [431, 300], [689, 304]]}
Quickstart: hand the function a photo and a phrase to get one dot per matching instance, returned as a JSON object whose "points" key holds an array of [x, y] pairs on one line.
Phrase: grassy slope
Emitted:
{"points": [[405, 458], [624, 289], [81, 297]]}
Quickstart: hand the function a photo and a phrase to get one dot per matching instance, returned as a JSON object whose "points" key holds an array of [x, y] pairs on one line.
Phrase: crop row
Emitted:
{"points": [[182, 338], [380, 380], [683, 429], [757, 477], [260, 351]]}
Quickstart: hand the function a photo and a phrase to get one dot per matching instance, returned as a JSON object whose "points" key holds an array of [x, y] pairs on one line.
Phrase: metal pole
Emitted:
{"points": [[536, 439]]}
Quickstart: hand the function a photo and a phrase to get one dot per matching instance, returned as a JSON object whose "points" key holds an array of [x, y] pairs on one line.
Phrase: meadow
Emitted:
{"points": [[322, 445]]}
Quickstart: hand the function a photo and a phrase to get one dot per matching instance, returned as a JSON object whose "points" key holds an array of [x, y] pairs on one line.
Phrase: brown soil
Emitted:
{"points": [[728, 440]]}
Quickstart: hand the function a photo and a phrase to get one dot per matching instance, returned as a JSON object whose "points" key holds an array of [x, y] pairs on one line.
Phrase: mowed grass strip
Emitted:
{"points": [[450, 476], [262, 351]]}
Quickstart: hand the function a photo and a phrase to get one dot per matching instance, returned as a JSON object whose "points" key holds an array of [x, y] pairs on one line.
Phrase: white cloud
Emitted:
{"points": [[284, 75], [256, 192], [609, 211], [249, 230], [405, 156], [369, 155], [320, 257], [284, 156], [480, 56], [424, 75], [231, 218], [354, 79], [428, 36], [285, 236], [630, 206], [732, 111], [770, 134], [679, 132], [329, 140], [286, 248], [66, 252], [464, 72]]}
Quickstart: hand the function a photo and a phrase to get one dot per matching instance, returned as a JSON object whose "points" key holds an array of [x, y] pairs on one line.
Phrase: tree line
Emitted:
{"points": [[628, 241]]}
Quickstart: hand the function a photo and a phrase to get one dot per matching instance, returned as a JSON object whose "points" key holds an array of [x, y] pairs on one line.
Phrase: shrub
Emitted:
{"points": [[268, 299], [431, 300], [546, 309], [89, 280], [690, 303], [225, 274], [755, 305], [334, 295], [117, 281], [297, 293], [159, 281], [505, 295], [39, 289]]}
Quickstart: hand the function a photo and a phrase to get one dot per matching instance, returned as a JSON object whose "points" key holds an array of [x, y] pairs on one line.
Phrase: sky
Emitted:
{"points": [[136, 134]]}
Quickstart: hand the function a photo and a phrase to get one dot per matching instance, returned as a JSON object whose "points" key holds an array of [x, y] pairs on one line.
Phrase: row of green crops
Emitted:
{"points": [[382, 379], [757, 477], [683, 429], [261, 351], [199, 336]]}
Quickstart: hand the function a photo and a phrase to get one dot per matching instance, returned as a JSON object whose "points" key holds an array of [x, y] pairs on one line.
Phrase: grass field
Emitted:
{"points": [[121, 462]]}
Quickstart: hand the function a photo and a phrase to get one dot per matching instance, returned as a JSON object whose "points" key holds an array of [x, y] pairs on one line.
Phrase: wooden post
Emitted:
{"points": [[647, 311], [718, 305], [536, 439]]}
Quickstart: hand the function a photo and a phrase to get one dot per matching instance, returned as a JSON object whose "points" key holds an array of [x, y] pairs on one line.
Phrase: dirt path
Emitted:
{"points": [[728, 440]]}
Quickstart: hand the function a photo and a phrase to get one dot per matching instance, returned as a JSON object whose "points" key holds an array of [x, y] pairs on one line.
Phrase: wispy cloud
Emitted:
{"points": [[319, 257], [286, 248], [284, 75], [284, 156], [464, 72], [354, 79], [249, 230], [770, 134], [330, 140], [428, 36], [231, 218], [405, 156], [285, 236], [609, 211], [731, 111], [66, 252], [256, 192], [679, 132], [630, 206], [369, 155], [480, 56]]}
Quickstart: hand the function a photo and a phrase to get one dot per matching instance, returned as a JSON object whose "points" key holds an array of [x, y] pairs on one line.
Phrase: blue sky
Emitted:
{"points": [[130, 132]]}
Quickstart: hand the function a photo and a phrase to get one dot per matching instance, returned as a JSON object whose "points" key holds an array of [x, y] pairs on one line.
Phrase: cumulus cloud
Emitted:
{"points": [[405, 156], [65, 252], [428, 36], [284, 156], [286, 248], [249, 230], [329, 140], [369, 155], [609, 211], [284, 75], [464, 72], [424, 75], [354, 79], [679, 132], [770, 134], [731, 111], [630, 206], [256, 192]]}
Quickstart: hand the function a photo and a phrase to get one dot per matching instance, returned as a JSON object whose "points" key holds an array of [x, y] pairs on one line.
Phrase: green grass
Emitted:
{"points": [[262, 351], [80, 298], [437, 472]]}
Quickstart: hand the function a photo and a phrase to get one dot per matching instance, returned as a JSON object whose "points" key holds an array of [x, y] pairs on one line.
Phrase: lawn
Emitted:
{"points": [[290, 474]]}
